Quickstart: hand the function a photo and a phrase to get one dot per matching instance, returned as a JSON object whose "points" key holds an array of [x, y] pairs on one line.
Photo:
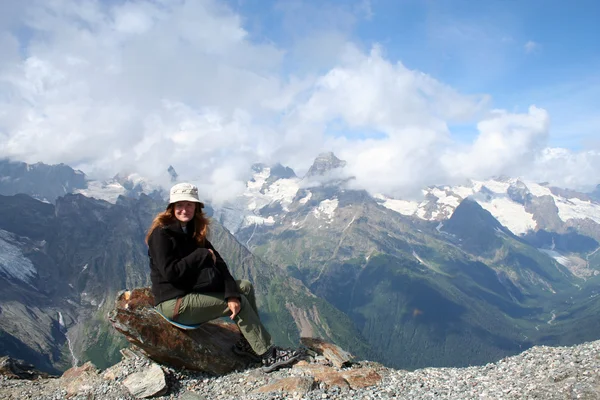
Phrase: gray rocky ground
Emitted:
{"points": [[538, 373]]}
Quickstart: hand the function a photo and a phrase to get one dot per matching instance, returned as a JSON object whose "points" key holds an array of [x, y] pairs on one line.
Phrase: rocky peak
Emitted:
{"points": [[258, 167], [519, 192], [324, 163], [279, 171], [476, 227], [172, 173], [41, 181]]}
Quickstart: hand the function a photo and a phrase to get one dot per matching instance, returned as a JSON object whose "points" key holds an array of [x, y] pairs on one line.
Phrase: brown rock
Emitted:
{"points": [[300, 385], [80, 379], [335, 354], [329, 376], [361, 377], [332, 379], [207, 348]]}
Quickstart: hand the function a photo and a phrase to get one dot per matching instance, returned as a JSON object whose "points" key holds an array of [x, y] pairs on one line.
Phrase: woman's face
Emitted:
{"points": [[184, 211]]}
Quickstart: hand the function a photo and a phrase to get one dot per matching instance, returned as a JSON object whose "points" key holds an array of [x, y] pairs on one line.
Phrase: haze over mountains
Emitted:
{"points": [[466, 275]]}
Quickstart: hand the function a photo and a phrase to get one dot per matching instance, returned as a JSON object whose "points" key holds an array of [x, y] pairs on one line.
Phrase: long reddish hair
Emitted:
{"points": [[167, 217]]}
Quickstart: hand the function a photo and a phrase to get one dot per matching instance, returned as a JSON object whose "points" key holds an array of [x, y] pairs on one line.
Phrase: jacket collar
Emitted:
{"points": [[176, 227]]}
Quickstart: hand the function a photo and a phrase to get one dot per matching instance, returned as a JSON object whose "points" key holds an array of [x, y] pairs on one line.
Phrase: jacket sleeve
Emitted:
{"points": [[173, 269], [231, 289]]}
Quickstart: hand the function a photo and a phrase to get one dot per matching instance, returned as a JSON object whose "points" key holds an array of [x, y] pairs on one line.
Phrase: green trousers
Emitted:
{"points": [[197, 308]]}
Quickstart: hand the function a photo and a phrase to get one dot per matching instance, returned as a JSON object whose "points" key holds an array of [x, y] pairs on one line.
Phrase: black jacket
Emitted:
{"points": [[178, 265]]}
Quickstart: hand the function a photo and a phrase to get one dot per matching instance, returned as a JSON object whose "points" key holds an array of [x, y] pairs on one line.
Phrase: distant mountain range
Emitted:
{"points": [[63, 261], [467, 275]]}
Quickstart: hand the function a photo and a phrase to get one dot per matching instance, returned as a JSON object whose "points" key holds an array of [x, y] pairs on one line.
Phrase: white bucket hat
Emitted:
{"points": [[184, 192]]}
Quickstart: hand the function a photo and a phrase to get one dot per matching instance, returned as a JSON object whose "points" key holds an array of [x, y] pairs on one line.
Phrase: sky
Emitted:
{"points": [[410, 93]]}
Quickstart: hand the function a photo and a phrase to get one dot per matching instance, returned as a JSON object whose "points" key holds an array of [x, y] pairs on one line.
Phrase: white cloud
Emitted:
{"points": [[506, 144], [530, 46], [139, 86]]}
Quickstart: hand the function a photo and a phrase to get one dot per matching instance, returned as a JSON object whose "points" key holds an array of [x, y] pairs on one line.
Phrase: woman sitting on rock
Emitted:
{"points": [[191, 283]]}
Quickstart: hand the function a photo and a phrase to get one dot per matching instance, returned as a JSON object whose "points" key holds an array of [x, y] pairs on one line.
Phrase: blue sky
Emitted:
{"points": [[543, 52], [410, 93]]}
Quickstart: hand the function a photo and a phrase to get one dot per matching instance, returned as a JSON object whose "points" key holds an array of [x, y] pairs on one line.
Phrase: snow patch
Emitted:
{"points": [[538, 190], [561, 259], [575, 208], [403, 207], [445, 198], [326, 208], [496, 186], [258, 180], [415, 255], [284, 191], [439, 226], [510, 214], [13, 262], [61, 320], [464, 191], [257, 220], [108, 191], [306, 198]]}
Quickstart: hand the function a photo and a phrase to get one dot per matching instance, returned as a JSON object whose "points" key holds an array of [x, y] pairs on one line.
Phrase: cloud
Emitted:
{"points": [[506, 145], [531, 46], [113, 87], [564, 168]]}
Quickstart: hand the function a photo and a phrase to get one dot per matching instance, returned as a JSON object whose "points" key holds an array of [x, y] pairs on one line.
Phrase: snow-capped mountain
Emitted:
{"points": [[48, 182], [519, 205], [501, 252], [272, 190], [41, 181], [562, 224], [131, 185]]}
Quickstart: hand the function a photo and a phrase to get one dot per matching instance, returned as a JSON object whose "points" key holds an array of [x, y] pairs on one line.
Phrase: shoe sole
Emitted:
{"points": [[281, 364]]}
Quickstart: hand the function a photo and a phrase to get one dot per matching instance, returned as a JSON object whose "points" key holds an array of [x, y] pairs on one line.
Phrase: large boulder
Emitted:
{"points": [[206, 349]]}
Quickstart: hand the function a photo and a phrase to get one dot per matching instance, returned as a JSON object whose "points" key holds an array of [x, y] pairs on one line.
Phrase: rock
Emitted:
{"points": [[191, 396], [147, 383], [290, 385], [18, 369], [80, 379], [335, 354], [345, 379], [361, 377], [206, 349]]}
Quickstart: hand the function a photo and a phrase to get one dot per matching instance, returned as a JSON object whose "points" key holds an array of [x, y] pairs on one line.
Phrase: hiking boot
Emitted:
{"points": [[243, 348], [276, 358]]}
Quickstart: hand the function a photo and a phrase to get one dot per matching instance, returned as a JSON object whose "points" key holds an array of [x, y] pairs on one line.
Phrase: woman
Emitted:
{"points": [[191, 283]]}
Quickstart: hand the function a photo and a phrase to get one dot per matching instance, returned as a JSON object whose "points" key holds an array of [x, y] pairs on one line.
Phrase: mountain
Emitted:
{"points": [[48, 182], [563, 223], [44, 182], [469, 275], [324, 163], [519, 205], [62, 265], [460, 278]]}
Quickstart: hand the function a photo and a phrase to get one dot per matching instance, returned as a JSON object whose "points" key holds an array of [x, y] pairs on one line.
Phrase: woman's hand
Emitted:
{"points": [[212, 253], [234, 305]]}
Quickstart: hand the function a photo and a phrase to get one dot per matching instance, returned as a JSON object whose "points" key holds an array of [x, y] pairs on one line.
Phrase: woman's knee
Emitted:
{"points": [[245, 286]]}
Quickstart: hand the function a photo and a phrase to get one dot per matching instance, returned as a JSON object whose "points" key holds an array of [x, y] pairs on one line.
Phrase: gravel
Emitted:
{"points": [[541, 372]]}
